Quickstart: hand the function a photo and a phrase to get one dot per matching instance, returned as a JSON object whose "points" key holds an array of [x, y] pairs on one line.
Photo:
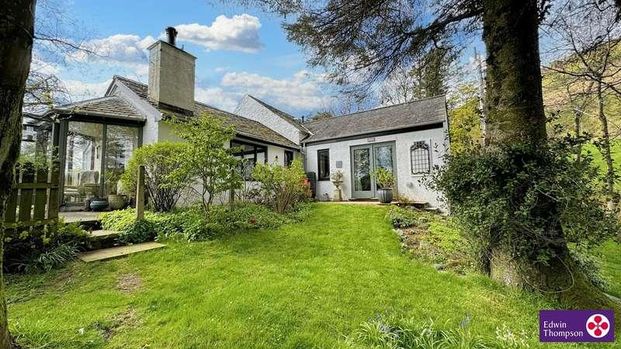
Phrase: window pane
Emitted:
{"points": [[323, 158], [419, 158], [362, 169], [83, 162], [288, 158], [120, 143]]}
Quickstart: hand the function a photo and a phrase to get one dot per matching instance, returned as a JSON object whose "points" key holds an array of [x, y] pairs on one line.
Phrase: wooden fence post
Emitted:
{"points": [[140, 194]]}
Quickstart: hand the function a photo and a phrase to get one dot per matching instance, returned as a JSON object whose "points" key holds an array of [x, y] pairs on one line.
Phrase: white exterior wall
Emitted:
{"points": [[408, 184], [251, 109]]}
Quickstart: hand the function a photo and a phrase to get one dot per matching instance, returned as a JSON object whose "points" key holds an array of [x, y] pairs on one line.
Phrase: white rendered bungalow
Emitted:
{"points": [[96, 137], [409, 139]]}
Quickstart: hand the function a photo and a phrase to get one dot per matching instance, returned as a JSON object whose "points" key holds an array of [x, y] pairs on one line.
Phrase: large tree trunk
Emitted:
{"points": [[613, 199], [16, 37], [516, 117]]}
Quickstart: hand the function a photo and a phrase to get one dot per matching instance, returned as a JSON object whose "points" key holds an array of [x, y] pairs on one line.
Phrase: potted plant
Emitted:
{"points": [[337, 179], [386, 182], [98, 204], [115, 200]]}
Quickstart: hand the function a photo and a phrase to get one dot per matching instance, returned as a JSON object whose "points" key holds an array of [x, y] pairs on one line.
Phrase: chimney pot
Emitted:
{"points": [[171, 33]]}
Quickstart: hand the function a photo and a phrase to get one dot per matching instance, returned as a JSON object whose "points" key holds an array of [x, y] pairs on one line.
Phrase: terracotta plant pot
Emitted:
{"points": [[384, 195]]}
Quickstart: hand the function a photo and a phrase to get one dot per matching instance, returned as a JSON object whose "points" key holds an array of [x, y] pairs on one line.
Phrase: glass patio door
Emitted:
{"points": [[365, 159], [362, 165]]}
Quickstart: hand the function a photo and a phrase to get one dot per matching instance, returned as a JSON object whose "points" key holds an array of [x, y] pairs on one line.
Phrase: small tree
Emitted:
{"points": [[207, 159], [282, 187], [166, 176]]}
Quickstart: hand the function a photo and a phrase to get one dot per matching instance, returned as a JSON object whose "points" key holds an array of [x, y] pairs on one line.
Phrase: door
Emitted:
{"points": [[362, 165], [365, 159]]}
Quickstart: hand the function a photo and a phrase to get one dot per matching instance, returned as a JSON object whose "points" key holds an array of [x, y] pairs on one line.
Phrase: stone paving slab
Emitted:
{"points": [[114, 252], [103, 233], [77, 217]]}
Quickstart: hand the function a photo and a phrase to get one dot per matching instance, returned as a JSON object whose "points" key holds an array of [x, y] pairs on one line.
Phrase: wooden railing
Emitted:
{"points": [[34, 199]]}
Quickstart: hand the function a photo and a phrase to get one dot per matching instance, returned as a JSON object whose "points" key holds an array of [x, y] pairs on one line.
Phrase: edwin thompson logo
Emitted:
{"points": [[576, 326]]}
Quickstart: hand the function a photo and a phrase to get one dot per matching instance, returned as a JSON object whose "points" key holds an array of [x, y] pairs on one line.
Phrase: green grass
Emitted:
{"points": [[305, 285], [611, 266]]}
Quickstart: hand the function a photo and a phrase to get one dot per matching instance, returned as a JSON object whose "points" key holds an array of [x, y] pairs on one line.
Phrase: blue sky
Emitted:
{"points": [[238, 50]]}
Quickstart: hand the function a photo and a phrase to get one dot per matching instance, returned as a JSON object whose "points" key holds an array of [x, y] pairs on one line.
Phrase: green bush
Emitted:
{"points": [[166, 175], [282, 188], [401, 218], [137, 232], [42, 249], [516, 199]]}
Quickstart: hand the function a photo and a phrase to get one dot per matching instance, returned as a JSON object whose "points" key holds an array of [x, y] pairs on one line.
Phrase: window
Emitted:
{"points": [[420, 158], [251, 154], [323, 164], [288, 157]]}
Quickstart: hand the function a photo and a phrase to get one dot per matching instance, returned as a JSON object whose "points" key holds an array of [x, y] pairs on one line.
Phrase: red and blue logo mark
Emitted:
{"points": [[576, 326]]}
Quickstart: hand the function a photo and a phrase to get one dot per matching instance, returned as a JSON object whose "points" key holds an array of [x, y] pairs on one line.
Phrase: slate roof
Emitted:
{"points": [[110, 106], [243, 126], [285, 116], [407, 115]]}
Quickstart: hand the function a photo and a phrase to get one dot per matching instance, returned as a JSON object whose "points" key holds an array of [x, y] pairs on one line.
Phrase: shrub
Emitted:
{"points": [[165, 174], [401, 218], [43, 248], [510, 197], [282, 188], [194, 223], [137, 232]]}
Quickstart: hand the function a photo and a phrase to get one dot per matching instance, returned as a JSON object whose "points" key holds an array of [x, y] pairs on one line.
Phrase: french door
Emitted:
{"points": [[365, 159]]}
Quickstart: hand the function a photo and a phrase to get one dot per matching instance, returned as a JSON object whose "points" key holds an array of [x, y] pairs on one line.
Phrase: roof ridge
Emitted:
{"points": [[128, 79], [82, 102], [295, 122], [378, 108]]}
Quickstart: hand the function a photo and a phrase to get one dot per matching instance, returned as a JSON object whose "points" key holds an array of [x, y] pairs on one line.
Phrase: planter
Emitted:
{"points": [[98, 204], [116, 202], [384, 195]]}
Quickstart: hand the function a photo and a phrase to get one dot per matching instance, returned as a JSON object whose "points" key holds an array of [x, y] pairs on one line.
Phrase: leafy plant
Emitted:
{"points": [[384, 178], [138, 232], [161, 160], [282, 188], [43, 248], [401, 218], [396, 332]]}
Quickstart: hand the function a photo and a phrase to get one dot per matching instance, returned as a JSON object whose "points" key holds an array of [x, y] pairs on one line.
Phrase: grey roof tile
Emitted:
{"points": [[243, 126], [110, 106], [412, 114]]}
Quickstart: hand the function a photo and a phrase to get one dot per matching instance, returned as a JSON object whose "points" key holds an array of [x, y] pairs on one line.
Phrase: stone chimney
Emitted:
{"points": [[171, 74]]}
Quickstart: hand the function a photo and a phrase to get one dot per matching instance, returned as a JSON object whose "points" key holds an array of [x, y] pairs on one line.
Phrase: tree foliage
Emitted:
{"points": [[208, 159]]}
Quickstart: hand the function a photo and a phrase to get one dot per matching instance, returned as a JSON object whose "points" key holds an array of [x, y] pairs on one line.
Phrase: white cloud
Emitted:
{"points": [[303, 91], [237, 33], [217, 97], [119, 48], [80, 90]]}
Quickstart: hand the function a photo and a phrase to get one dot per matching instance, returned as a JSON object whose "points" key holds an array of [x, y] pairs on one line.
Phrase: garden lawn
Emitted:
{"points": [[305, 285]]}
